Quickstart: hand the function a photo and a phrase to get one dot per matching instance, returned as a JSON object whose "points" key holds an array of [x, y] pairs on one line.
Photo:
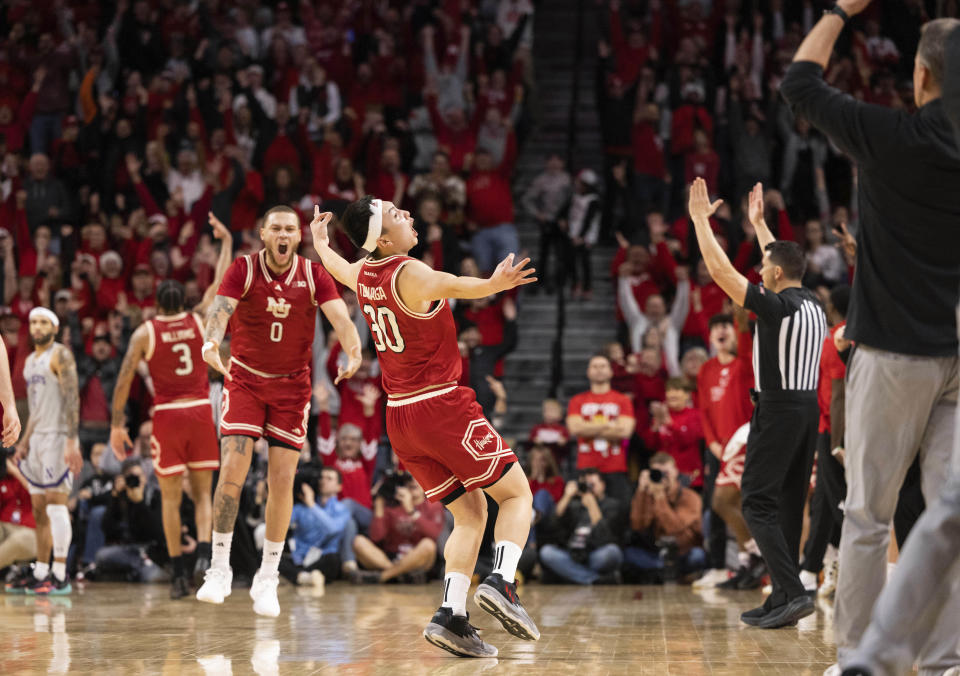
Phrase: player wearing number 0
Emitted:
{"points": [[184, 437], [437, 428], [270, 300]]}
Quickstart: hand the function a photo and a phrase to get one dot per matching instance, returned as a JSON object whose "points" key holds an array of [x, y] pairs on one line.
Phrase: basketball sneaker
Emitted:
{"points": [[51, 586], [263, 591], [199, 569], [711, 578], [216, 585], [179, 587], [499, 598], [456, 635], [19, 584]]}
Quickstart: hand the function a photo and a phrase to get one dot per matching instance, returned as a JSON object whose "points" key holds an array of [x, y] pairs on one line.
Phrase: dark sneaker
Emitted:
{"points": [[456, 635], [752, 617], [199, 570], [499, 598], [754, 574], [788, 614], [179, 587], [733, 583], [51, 586], [21, 582], [365, 577]]}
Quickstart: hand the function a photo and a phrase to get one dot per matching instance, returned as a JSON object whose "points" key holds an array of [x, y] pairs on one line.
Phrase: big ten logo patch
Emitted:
{"points": [[278, 307], [482, 441]]}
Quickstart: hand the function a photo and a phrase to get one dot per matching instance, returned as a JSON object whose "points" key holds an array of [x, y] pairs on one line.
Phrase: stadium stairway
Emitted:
{"points": [[589, 323]]}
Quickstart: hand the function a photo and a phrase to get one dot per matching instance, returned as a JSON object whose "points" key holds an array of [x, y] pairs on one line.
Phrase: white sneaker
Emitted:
{"points": [[216, 585], [263, 591], [711, 578], [833, 670], [216, 665], [767, 589], [829, 586]]}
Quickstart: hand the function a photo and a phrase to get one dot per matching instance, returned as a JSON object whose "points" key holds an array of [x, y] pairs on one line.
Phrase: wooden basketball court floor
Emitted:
{"points": [[108, 629]]}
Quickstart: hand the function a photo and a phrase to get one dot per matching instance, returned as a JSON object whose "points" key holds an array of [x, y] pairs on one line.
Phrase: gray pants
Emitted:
{"points": [[897, 406]]}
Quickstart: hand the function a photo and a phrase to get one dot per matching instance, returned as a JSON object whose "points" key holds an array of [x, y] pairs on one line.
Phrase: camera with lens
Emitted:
{"points": [[656, 476], [132, 480], [583, 487], [392, 480]]}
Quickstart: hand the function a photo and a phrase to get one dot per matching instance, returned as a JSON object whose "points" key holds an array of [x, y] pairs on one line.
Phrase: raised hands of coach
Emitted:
{"points": [[11, 426], [700, 205], [318, 227], [508, 276], [120, 442]]}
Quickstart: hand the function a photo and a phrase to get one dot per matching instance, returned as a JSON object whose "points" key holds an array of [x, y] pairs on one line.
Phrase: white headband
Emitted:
{"points": [[46, 314], [375, 226]]}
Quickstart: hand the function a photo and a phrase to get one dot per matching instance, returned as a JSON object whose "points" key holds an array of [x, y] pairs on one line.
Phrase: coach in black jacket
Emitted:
{"points": [[902, 377]]}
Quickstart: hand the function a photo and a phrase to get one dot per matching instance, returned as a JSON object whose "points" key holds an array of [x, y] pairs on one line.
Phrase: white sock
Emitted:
{"points": [[808, 580], [59, 569], [831, 554], [60, 532], [271, 556], [220, 550], [455, 587], [752, 548], [743, 558], [506, 556], [41, 570]]}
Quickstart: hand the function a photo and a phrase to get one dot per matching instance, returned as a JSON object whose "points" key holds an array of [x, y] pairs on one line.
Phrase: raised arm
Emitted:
{"points": [[342, 271], [218, 316], [418, 283], [64, 366], [718, 265], [764, 236], [11, 421], [636, 320], [136, 351], [221, 232]]}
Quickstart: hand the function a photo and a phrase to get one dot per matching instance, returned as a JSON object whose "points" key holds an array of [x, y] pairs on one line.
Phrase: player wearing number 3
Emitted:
{"points": [[183, 433], [437, 428]]}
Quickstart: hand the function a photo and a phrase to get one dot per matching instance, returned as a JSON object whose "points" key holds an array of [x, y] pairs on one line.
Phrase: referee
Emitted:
{"points": [[783, 432]]}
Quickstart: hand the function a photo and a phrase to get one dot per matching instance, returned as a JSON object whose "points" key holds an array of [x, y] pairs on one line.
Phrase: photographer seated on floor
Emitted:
{"points": [[586, 519], [321, 530], [403, 534], [665, 519]]}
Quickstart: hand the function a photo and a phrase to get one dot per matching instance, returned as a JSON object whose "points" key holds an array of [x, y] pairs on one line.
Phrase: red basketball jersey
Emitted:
{"points": [[272, 327], [174, 360], [416, 350]]}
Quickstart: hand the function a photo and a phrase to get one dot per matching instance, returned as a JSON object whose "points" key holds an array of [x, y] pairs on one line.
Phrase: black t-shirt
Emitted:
{"points": [[788, 340]]}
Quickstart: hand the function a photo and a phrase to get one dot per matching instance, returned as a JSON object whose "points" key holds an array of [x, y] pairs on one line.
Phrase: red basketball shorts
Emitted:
{"points": [[446, 443], [184, 437], [734, 454], [274, 408]]}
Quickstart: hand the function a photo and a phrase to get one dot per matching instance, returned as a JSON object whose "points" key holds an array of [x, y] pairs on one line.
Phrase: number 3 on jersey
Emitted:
{"points": [[186, 359], [382, 319]]}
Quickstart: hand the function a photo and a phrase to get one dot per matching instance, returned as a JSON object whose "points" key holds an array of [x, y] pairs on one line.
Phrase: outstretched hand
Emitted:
{"points": [[220, 231], [700, 205], [354, 359], [318, 226], [119, 442], [756, 205], [211, 355], [508, 276]]}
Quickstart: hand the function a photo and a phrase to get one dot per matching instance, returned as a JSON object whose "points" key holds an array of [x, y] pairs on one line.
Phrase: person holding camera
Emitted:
{"points": [[587, 519], [132, 529], [667, 515], [403, 533]]}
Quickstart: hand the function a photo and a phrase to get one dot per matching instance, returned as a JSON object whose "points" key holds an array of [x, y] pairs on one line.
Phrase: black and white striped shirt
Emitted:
{"points": [[789, 339]]}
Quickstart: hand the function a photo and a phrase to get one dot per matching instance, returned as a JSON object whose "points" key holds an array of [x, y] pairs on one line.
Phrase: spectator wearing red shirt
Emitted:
{"points": [[359, 395], [675, 429], [17, 539], [405, 535], [602, 421], [387, 178], [702, 161], [353, 452], [706, 301], [490, 213], [631, 51], [649, 167], [551, 432]]}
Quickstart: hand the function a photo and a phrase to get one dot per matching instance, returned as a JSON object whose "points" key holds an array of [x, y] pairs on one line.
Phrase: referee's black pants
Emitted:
{"points": [[776, 475]]}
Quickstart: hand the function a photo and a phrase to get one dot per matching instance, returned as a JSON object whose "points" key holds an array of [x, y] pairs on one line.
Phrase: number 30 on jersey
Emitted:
{"points": [[386, 333]]}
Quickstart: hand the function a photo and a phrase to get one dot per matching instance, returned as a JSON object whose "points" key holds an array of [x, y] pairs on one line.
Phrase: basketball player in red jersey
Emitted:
{"points": [[184, 436], [272, 297], [437, 429]]}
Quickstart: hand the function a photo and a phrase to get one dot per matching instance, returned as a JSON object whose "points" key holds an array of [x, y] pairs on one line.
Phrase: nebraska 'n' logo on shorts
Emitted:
{"points": [[482, 442]]}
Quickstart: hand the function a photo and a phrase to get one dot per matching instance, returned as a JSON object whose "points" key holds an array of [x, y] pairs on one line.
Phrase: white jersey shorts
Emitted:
{"points": [[44, 467]]}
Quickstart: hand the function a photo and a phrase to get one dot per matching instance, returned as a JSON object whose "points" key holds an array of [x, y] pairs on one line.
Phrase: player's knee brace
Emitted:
{"points": [[60, 529]]}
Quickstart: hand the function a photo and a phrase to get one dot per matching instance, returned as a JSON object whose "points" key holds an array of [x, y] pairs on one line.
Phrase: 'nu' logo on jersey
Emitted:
{"points": [[278, 307]]}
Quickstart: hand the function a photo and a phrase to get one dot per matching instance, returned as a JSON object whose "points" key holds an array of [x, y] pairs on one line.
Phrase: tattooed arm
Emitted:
{"points": [[64, 366], [136, 351], [217, 318]]}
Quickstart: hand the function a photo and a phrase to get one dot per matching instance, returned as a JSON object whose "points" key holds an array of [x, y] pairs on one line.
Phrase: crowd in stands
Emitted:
{"points": [[122, 125]]}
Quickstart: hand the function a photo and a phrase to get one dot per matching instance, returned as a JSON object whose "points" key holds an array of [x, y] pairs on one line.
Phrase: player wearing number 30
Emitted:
{"points": [[437, 428]]}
